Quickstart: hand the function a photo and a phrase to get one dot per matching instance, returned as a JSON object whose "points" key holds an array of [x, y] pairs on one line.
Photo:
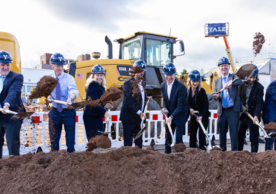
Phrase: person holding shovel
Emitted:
{"points": [[10, 99], [269, 112], [66, 90], [133, 104], [229, 105], [93, 116], [174, 105], [251, 94], [197, 101]]}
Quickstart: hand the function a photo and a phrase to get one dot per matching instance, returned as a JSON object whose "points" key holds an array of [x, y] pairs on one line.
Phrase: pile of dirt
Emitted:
{"points": [[270, 127], [44, 87], [258, 43], [111, 94], [179, 147], [100, 141], [133, 170]]}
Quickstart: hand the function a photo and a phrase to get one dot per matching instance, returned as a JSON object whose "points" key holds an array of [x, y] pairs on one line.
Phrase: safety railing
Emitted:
{"points": [[35, 132]]}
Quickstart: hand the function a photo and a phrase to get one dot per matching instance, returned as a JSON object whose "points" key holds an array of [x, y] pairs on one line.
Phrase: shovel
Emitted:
{"points": [[107, 122], [243, 73], [209, 147], [256, 123], [70, 106], [17, 115], [143, 126], [170, 130]]}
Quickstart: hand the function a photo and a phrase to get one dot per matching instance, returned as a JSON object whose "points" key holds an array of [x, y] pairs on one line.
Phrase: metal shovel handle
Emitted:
{"points": [[256, 123], [9, 111]]}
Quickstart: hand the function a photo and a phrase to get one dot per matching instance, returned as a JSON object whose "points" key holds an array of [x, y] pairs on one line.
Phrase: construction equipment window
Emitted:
{"points": [[158, 52], [132, 49]]}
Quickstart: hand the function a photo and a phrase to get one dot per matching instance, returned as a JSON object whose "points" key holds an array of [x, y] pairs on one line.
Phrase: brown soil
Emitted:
{"points": [[111, 94], [133, 170], [270, 127], [179, 147], [22, 115], [100, 141], [216, 148], [258, 42], [44, 87], [136, 69]]}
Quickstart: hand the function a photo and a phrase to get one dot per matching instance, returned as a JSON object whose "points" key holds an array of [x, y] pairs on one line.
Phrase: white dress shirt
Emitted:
{"points": [[169, 89], [143, 96]]}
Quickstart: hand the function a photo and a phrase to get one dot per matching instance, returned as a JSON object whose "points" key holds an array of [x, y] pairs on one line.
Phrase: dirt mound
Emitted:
{"points": [[270, 127], [179, 147], [133, 170], [100, 141], [44, 87], [216, 148]]}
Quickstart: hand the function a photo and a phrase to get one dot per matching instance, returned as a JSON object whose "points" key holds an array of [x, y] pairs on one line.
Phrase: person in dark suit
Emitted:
{"points": [[197, 101], [269, 112], [251, 93], [133, 104], [10, 99], [229, 105], [93, 116], [174, 105]]}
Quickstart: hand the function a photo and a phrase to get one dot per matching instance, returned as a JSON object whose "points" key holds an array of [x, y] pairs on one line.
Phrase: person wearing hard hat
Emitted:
{"points": [[93, 116], [197, 101], [66, 90], [174, 105], [133, 104], [10, 99], [229, 105], [251, 94]]}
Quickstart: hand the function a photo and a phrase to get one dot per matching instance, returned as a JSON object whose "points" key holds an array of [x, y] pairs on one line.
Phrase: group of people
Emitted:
{"points": [[179, 102]]}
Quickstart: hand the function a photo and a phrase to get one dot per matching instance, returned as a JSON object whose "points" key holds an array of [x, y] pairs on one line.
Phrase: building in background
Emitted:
{"points": [[84, 57]]}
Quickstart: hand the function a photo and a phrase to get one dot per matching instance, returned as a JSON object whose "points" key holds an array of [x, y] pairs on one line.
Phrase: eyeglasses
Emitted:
{"points": [[221, 66]]}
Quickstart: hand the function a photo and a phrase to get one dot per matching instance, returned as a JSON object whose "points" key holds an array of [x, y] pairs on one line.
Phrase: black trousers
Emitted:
{"points": [[130, 131], [12, 132], [194, 127], [92, 126], [178, 130], [245, 123]]}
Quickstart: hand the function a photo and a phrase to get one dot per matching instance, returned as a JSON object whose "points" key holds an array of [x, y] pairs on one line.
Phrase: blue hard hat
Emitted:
{"points": [[58, 59], [140, 63], [256, 71], [194, 75], [5, 57], [169, 69], [223, 60], [98, 69]]}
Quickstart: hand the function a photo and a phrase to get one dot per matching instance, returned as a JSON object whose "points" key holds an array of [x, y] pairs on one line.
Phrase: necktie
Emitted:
{"points": [[225, 95], [58, 92], [1, 84]]}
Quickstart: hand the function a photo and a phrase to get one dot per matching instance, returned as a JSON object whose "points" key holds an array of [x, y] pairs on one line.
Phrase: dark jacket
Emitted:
{"points": [[177, 105], [201, 102], [255, 101], [94, 91], [11, 94], [132, 103], [233, 92], [269, 110]]}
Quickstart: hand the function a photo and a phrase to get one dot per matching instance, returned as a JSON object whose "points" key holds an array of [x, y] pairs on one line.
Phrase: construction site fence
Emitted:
{"points": [[35, 131]]}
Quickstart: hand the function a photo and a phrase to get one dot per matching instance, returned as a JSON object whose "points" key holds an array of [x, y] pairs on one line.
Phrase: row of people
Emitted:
{"points": [[178, 103]]}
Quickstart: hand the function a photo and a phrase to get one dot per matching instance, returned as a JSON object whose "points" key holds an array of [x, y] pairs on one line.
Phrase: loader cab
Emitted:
{"points": [[154, 49]]}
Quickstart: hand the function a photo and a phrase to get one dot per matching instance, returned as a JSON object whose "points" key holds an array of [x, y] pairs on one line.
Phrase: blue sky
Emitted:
{"points": [[76, 27]]}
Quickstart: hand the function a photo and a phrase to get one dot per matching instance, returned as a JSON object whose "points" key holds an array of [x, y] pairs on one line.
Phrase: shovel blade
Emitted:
{"points": [[245, 71], [22, 115]]}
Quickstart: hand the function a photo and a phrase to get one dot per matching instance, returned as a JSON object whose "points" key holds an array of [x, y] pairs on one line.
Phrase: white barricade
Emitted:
{"points": [[155, 130]]}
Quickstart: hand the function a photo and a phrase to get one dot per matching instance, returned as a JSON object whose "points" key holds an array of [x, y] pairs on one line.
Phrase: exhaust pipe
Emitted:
{"points": [[109, 43]]}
